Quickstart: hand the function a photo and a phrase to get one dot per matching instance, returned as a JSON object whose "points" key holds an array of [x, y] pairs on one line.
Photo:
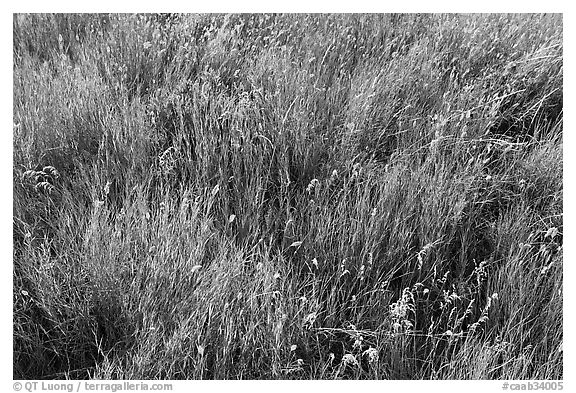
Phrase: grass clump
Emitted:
{"points": [[288, 196]]}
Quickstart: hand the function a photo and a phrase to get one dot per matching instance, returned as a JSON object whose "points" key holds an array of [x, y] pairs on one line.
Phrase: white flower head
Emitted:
{"points": [[349, 359], [372, 355]]}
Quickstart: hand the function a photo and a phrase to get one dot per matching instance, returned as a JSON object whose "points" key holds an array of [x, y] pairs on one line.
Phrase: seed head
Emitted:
{"points": [[349, 359], [372, 355]]}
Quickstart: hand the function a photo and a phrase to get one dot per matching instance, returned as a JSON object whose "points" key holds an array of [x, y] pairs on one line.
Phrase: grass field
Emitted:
{"points": [[288, 196]]}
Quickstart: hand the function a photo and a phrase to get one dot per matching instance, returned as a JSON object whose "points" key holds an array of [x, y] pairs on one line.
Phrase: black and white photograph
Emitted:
{"points": [[287, 196]]}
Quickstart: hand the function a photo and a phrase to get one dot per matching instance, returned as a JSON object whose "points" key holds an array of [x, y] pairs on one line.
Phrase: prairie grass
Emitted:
{"points": [[288, 196]]}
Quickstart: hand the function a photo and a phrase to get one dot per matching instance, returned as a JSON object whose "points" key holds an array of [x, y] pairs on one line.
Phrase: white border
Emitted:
{"points": [[300, 6]]}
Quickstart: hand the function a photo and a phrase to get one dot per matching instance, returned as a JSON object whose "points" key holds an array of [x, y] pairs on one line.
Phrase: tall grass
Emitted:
{"points": [[288, 196]]}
